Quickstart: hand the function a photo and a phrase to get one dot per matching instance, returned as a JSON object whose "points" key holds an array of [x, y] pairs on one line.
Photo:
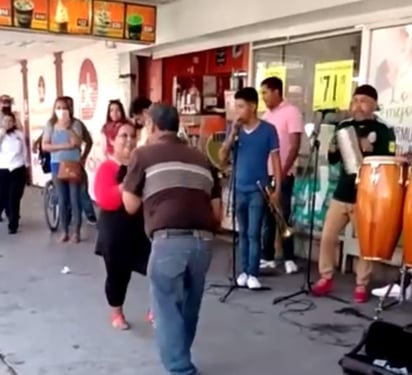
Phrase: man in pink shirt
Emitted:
{"points": [[288, 122]]}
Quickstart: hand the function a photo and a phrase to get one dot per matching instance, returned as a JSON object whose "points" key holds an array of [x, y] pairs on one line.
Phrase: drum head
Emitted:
{"points": [[213, 144], [380, 160]]}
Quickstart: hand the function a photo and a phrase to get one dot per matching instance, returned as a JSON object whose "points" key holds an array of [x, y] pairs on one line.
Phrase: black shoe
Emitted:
{"points": [[12, 231]]}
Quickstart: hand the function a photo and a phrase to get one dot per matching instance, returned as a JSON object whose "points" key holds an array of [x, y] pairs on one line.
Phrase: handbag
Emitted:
{"points": [[70, 171], [383, 350]]}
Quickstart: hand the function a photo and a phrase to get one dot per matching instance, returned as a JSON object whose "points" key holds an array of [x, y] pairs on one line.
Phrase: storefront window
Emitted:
{"points": [[299, 61]]}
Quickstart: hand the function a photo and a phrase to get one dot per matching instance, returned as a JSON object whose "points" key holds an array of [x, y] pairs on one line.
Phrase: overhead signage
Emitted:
{"points": [[140, 23], [332, 86], [5, 13], [108, 19], [100, 18], [31, 14], [70, 17]]}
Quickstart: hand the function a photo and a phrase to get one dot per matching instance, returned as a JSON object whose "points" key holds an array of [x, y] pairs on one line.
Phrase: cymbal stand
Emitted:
{"points": [[404, 283]]}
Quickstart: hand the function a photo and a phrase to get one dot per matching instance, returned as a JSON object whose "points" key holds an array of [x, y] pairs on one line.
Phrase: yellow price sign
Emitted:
{"points": [[332, 87], [278, 71]]}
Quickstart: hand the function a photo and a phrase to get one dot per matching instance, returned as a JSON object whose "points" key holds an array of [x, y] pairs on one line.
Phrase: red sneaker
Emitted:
{"points": [[322, 287], [360, 295], [119, 321]]}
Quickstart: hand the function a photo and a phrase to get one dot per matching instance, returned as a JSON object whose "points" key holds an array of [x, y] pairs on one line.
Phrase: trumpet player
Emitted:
{"points": [[341, 207], [252, 141]]}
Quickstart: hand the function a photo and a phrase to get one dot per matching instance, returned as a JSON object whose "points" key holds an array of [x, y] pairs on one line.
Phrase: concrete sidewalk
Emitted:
{"points": [[57, 324]]}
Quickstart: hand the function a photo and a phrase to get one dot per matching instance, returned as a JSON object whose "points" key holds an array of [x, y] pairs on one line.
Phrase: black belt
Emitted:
{"points": [[197, 233]]}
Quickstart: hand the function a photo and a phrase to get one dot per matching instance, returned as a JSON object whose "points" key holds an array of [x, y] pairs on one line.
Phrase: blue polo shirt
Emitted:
{"points": [[253, 152]]}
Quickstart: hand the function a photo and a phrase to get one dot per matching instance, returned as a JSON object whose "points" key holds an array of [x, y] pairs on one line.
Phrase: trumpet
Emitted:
{"points": [[282, 226]]}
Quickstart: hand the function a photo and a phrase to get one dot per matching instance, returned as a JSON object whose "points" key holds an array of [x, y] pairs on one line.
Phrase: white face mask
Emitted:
{"points": [[62, 114]]}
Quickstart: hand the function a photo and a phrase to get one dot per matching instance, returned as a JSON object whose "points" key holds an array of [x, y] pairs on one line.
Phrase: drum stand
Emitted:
{"points": [[404, 283]]}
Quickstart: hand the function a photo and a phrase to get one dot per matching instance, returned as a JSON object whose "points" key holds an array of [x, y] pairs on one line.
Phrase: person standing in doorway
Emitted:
{"points": [[14, 162], [256, 142], [170, 179], [288, 122]]}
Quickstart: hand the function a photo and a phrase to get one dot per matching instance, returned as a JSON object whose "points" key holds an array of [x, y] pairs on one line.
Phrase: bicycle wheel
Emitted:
{"points": [[51, 207]]}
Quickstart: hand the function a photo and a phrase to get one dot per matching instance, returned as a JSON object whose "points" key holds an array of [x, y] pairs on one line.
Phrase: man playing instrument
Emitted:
{"points": [[251, 141], [375, 138]]}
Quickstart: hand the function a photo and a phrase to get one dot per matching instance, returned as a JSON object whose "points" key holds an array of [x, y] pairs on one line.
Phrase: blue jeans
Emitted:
{"points": [[177, 271], [86, 201], [70, 208], [250, 209]]}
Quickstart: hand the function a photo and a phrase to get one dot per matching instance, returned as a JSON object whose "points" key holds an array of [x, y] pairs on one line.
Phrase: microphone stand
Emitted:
{"points": [[232, 285], [306, 287]]}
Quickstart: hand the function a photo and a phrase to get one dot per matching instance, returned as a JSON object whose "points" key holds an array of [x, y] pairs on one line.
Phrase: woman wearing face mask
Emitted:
{"points": [[13, 164], [121, 238], [115, 114], [62, 137]]}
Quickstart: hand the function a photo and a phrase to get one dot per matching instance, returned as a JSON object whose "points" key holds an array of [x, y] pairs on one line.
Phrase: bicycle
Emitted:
{"points": [[51, 206]]}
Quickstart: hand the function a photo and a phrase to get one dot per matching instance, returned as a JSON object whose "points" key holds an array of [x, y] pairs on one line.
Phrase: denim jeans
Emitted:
{"points": [[177, 271], [269, 225], [250, 209], [69, 200], [86, 201]]}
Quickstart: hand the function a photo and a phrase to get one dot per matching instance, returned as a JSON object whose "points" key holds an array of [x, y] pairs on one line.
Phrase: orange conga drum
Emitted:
{"points": [[407, 222], [379, 206]]}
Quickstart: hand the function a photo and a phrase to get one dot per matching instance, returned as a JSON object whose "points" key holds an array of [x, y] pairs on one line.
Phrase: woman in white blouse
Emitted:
{"points": [[13, 169]]}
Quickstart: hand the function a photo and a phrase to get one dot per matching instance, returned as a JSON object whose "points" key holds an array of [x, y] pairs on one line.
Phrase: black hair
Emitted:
{"points": [[69, 101], [248, 94], [139, 105], [119, 104], [165, 117], [274, 84]]}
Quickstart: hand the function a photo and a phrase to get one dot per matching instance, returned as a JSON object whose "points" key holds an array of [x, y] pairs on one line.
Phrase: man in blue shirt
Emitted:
{"points": [[252, 141]]}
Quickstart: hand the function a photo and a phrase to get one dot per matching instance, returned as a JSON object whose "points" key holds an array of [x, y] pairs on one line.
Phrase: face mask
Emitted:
{"points": [[6, 109], [62, 114]]}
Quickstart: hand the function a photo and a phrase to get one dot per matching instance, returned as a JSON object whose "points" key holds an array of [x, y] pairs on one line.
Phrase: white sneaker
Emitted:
{"points": [[253, 283], [394, 293], [291, 267], [242, 280], [267, 264]]}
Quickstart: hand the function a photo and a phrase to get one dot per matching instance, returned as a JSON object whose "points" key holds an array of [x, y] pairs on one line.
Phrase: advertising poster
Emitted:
{"points": [[140, 22], [327, 177], [70, 17], [390, 71], [5, 13], [108, 19], [31, 14]]}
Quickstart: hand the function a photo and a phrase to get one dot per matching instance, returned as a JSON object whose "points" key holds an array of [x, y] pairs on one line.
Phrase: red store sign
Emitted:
{"points": [[88, 90]]}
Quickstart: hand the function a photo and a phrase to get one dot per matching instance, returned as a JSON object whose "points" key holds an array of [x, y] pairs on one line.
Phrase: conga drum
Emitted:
{"points": [[379, 206], [407, 222]]}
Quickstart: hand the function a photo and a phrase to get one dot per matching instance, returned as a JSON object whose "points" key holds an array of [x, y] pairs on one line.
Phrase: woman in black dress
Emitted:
{"points": [[121, 238]]}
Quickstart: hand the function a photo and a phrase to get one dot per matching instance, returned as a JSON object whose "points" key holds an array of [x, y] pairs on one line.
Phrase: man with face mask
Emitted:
{"points": [[6, 103], [375, 138]]}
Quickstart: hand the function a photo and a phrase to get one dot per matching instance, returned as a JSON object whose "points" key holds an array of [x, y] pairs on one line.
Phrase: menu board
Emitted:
{"points": [[108, 19], [140, 22], [111, 19], [5, 13], [31, 14], [70, 16]]}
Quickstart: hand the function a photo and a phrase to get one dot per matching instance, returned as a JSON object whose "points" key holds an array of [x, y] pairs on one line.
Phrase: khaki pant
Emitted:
{"points": [[337, 218]]}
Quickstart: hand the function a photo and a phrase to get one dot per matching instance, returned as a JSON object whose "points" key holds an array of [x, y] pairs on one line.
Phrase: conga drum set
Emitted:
{"points": [[383, 207]]}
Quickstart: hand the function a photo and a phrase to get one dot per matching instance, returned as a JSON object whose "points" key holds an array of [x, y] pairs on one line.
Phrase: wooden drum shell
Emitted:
{"points": [[379, 207], [407, 222]]}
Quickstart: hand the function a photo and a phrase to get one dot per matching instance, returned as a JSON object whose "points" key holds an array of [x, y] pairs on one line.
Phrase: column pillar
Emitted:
{"points": [[26, 112], [58, 64]]}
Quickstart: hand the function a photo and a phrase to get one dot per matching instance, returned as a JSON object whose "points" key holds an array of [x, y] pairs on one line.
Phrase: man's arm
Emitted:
{"points": [[295, 130], [133, 184], [275, 160], [225, 149]]}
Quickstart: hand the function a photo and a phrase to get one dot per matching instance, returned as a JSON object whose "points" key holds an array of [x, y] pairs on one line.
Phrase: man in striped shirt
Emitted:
{"points": [[182, 208]]}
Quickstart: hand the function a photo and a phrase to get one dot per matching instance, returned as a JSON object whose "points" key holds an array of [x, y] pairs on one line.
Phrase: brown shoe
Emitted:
{"points": [[75, 238], [64, 238]]}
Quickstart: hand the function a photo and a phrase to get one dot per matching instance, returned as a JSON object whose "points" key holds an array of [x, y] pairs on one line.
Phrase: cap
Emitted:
{"points": [[165, 117], [367, 90]]}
